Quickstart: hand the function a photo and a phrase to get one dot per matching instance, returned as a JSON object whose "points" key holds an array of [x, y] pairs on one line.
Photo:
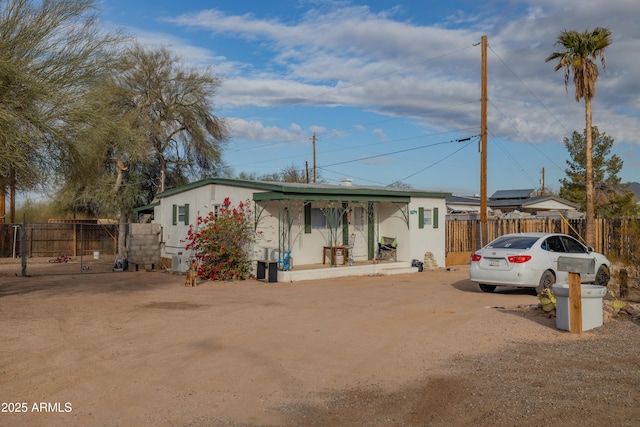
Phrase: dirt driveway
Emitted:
{"points": [[138, 348]]}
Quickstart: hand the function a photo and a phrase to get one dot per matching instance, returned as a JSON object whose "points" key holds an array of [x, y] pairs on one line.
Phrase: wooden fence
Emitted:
{"points": [[52, 239], [618, 239]]}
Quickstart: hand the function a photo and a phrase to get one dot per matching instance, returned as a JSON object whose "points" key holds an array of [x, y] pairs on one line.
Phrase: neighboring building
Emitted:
{"points": [[464, 205], [522, 201], [519, 203], [304, 218]]}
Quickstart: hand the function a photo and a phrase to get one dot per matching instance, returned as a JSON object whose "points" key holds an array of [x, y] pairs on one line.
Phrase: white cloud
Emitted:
{"points": [[380, 134], [254, 130], [355, 57], [317, 129]]}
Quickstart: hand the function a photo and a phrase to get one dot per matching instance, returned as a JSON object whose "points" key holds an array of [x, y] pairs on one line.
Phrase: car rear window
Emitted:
{"points": [[513, 242]]}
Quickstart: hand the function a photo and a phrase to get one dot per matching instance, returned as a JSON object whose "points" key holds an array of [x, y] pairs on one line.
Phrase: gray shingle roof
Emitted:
{"points": [[511, 194]]}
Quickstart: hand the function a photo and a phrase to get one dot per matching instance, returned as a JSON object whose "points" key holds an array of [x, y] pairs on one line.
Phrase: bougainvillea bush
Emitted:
{"points": [[221, 243]]}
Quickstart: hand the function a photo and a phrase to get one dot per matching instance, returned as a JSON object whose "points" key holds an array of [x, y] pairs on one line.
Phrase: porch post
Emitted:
{"points": [[371, 231]]}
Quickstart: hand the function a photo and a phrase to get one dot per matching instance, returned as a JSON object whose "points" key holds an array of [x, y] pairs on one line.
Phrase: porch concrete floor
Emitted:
{"points": [[359, 268]]}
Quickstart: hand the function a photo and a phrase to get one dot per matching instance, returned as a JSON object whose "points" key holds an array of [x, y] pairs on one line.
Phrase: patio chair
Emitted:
{"points": [[387, 248]]}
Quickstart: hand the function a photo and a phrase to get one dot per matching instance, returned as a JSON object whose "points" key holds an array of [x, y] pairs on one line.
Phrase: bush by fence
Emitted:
{"points": [[618, 239]]}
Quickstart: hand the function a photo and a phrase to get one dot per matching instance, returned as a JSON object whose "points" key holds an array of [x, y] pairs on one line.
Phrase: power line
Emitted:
{"points": [[352, 176], [444, 158], [524, 137], [513, 159], [342, 149], [395, 152], [529, 90]]}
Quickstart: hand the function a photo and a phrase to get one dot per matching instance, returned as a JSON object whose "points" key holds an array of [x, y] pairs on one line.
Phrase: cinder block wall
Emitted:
{"points": [[144, 244]]}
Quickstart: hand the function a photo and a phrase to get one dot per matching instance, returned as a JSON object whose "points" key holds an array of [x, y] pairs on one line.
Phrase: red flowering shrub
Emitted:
{"points": [[221, 244]]}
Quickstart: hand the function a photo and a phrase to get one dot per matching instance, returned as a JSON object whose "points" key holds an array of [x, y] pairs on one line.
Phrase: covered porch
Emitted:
{"points": [[321, 228]]}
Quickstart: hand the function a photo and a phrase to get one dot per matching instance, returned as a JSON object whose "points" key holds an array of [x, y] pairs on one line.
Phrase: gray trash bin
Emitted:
{"points": [[592, 315]]}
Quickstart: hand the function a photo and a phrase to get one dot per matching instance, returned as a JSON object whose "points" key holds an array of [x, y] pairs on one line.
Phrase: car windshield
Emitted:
{"points": [[513, 242]]}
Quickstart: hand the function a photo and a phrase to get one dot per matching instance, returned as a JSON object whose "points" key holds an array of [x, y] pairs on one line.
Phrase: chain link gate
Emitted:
{"points": [[36, 249]]}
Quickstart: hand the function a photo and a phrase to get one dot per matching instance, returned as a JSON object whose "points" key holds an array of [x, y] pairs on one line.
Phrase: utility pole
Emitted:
{"points": [[483, 145], [314, 158], [306, 168], [542, 183]]}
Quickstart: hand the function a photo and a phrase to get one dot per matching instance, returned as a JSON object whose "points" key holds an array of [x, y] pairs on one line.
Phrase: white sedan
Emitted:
{"points": [[530, 260]]}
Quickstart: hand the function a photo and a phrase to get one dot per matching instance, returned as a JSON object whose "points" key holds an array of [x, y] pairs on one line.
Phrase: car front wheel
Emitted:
{"points": [[602, 276], [487, 288], [546, 281]]}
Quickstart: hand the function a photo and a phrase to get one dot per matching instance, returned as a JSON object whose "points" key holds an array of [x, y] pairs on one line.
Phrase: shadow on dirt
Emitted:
{"points": [[469, 286], [417, 404], [532, 313], [538, 382], [114, 282], [526, 311]]}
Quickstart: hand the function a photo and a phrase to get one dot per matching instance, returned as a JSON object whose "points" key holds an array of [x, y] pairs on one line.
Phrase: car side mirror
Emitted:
{"points": [[589, 249]]}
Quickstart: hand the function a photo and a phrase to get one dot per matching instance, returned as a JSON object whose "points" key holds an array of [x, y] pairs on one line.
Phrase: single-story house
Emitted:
{"points": [[304, 220], [509, 202]]}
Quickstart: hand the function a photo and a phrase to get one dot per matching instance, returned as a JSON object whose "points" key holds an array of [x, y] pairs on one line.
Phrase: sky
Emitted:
{"points": [[391, 89]]}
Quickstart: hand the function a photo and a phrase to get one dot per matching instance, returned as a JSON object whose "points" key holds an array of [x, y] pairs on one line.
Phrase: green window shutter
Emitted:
{"points": [[174, 217], [345, 224], [307, 218], [435, 217], [420, 217], [186, 214]]}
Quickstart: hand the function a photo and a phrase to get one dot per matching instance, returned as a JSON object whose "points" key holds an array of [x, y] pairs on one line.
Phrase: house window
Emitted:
{"points": [[424, 217], [427, 220], [427, 217], [216, 211], [318, 219], [358, 218], [180, 213]]}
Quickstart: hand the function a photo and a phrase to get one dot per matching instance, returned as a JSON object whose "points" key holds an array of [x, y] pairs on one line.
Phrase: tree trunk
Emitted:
{"points": [[119, 177], [123, 220], [163, 172], [122, 235], [2, 205], [12, 196], [588, 170]]}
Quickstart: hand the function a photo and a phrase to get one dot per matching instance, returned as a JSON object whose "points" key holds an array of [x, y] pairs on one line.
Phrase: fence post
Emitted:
{"points": [[81, 246], [575, 303], [23, 248]]}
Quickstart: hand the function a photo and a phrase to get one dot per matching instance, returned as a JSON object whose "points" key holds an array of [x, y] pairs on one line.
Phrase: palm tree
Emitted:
{"points": [[580, 51]]}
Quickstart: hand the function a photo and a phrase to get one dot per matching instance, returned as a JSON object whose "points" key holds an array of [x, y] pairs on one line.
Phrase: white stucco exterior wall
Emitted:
{"points": [[201, 201], [430, 238], [306, 248]]}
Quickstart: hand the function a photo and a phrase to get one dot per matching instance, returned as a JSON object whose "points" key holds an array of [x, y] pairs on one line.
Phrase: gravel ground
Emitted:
{"points": [[424, 349], [585, 381]]}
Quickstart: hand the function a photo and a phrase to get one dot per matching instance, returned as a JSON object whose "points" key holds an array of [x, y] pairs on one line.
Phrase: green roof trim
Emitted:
{"points": [[136, 211], [146, 207], [342, 196], [297, 191]]}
